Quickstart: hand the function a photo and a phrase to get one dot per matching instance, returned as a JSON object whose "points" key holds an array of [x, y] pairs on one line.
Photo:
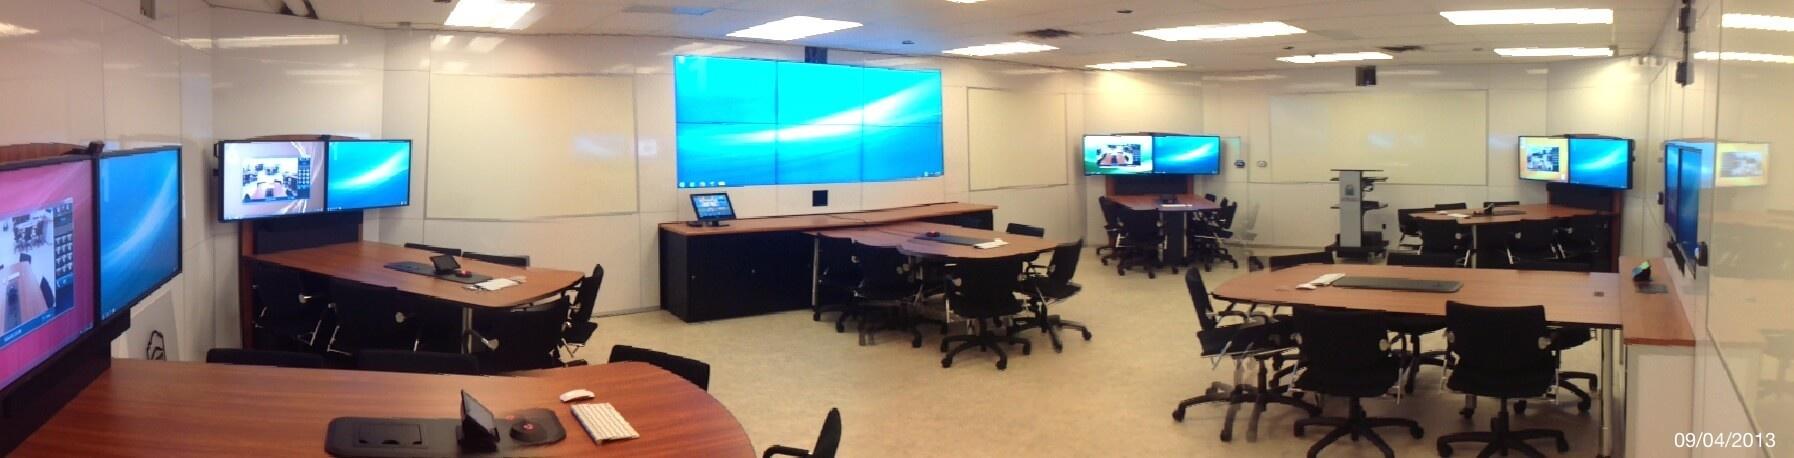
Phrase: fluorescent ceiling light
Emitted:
{"points": [[1533, 16], [965, 1], [1734, 56], [264, 41], [9, 30], [1555, 52], [1336, 57], [697, 48], [1223, 31], [997, 49], [793, 28], [1263, 77], [488, 14], [1137, 65], [1730, 21]]}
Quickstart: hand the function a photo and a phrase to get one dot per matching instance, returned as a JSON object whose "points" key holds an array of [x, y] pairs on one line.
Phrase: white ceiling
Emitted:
{"points": [[1104, 34]]}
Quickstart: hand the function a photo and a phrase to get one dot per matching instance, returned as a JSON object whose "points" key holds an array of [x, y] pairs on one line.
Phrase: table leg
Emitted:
{"points": [[1604, 439], [1475, 245], [467, 330], [815, 270], [1176, 229]]}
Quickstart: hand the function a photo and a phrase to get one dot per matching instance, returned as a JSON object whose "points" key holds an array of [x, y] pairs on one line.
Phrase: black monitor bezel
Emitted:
{"points": [[1219, 156], [700, 216], [1631, 158], [180, 228], [411, 158], [7, 390], [218, 204]]}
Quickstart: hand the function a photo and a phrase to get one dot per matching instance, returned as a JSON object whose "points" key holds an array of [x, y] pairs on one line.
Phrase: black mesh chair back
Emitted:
{"points": [[1343, 351], [985, 288], [827, 443], [694, 371], [1534, 236], [508, 260], [1224, 217], [265, 358], [884, 273], [1407, 223], [1552, 266], [1210, 197], [369, 317], [1065, 263], [1023, 229], [1140, 226], [1499, 350], [1422, 260], [1205, 307], [585, 299], [1288, 261], [529, 338], [1452, 206], [1442, 236], [282, 293], [1224, 202], [1500, 203], [417, 362], [1111, 212], [435, 249]]}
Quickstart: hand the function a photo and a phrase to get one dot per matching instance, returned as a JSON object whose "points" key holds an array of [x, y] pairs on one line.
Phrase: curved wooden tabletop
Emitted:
{"points": [[156, 408], [366, 262], [1185, 203], [905, 238], [1528, 212], [1570, 298]]}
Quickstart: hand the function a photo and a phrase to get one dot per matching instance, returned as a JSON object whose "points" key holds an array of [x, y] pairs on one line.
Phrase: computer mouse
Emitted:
{"points": [[932, 233], [528, 432], [577, 395], [463, 273]]}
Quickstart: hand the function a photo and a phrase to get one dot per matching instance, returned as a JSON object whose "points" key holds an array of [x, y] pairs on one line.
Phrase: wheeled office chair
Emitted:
{"points": [[836, 277], [265, 358], [1111, 228], [983, 291], [1500, 203], [694, 371], [584, 302], [290, 311], [1142, 238], [1409, 226], [501, 259], [1411, 327], [525, 338], [1287, 261], [1030, 231], [826, 443], [417, 362], [1501, 352], [1452, 206], [1347, 353], [1208, 237], [1261, 338], [436, 249], [369, 317], [1053, 287], [888, 288], [1446, 238]]}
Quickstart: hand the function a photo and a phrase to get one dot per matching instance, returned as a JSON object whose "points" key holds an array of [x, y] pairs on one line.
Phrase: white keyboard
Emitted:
{"points": [[1323, 280], [603, 423]]}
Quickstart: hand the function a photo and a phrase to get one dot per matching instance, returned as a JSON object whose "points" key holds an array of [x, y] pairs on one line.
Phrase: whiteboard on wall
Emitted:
{"points": [[1420, 137], [1016, 139], [517, 148]]}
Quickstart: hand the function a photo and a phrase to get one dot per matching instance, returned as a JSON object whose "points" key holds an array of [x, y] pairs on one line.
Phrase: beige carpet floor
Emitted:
{"points": [[1111, 396]]}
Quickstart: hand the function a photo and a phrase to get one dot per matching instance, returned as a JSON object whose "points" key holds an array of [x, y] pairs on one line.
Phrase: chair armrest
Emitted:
{"points": [[777, 450]]}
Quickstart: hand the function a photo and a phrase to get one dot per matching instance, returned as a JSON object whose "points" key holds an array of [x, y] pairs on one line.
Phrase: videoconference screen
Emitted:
{"points": [[264, 179], [1742, 164], [1545, 159], [1601, 162], [1117, 154], [140, 225], [368, 174], [746, 122], [1186, 155], [46, 262], [1686, 170]]}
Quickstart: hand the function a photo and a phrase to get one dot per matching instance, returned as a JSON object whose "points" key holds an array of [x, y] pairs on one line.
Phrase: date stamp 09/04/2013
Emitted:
{"points": [[1724, 440]]}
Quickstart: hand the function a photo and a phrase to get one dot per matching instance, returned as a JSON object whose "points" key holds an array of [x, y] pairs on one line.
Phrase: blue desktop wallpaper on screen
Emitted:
{"points": [[1186, 155], [744, 122], [370, 174], [1602, 162], [140, 223]]}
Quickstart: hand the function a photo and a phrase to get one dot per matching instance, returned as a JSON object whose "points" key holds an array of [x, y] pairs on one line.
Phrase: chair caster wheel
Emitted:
{"points": [[1520, 407], [1086, 335], [1444, 451], [915, 343], [840, 328], [1151, 275], [1056, 349], [946, 363], [1178, 415], [1466, 413], [1002, 365], [1563, 446], [1417, 432], [1584, 406], [1227, 436], [1300, 432], [1026, 350]]}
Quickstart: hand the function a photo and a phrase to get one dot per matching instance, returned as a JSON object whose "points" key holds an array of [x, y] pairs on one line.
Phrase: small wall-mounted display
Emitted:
{"points": [[1545, 159], [1117, 154], [139, 196], [1742, 164], [270, 179], [1186, 154], [1593, 161]]}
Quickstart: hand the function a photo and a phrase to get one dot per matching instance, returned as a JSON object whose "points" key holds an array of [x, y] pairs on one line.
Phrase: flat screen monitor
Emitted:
{"points": [[1545, 159], [1186, 154], [139, 199], [712, 207], [365, 174], [1601, 162], [1117, 154], [266, 179], [1742, 164], [1693, 161], [46, 260]]}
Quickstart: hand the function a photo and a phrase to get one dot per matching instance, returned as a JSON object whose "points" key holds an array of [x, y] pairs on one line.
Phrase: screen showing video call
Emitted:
{"points": [[1742, 165], [1545, 159], [1117, 154], [46, 262], [265, 179]]}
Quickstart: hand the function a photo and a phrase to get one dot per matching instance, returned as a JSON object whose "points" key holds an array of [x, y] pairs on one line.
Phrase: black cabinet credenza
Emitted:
{"points": [[763, 265]]}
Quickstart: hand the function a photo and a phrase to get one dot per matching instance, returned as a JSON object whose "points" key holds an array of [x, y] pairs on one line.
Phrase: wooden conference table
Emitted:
{"points": [[1176, 225], [1515, 213], [907, 238], [158, 408], [365, 262], [1602, 301]]}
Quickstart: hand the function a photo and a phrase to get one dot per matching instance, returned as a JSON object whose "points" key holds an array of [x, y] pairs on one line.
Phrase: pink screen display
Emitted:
{"points": [[46, 263]]}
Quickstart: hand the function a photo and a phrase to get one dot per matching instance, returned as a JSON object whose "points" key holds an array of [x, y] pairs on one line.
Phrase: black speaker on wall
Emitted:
{"points": [[815, 55], [1684, 73], [819, 198], [1367, 75]]}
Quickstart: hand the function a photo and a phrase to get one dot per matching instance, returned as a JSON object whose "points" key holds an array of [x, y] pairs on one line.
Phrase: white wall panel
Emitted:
{"points": [[1016, 139], [1413, 137]]}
